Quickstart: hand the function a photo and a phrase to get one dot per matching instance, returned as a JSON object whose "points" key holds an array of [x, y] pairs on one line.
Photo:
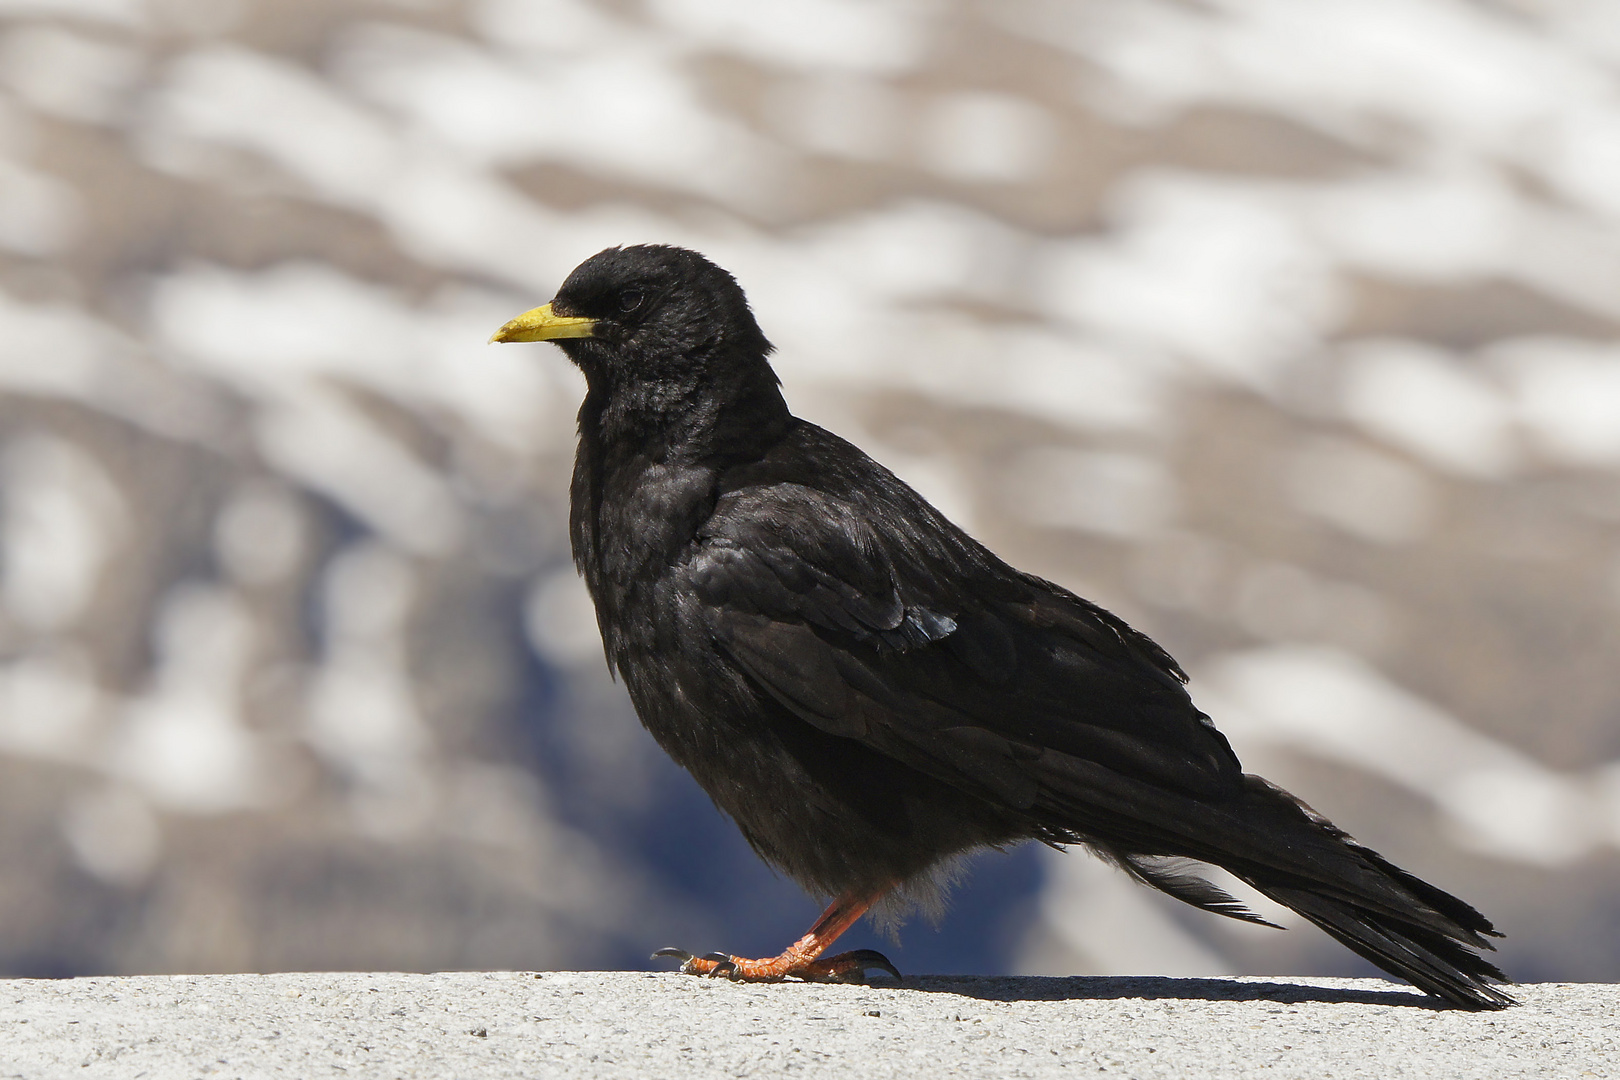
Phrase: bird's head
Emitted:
{"points": [[646, 314]]}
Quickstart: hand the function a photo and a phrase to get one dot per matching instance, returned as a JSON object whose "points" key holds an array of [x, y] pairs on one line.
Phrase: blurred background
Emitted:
{"points": [[1291, 332]]}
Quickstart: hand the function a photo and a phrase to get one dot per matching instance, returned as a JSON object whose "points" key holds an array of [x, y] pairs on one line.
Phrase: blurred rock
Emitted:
{"points": [[1292, 339]]}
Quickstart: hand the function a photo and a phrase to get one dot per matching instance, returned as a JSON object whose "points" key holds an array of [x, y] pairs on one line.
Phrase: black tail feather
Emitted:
{"points": [[1177, 878], [1374, 908], [1433, 962], [1298, 858]]}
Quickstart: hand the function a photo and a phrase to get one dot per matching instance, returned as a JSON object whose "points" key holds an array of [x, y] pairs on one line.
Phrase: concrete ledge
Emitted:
{"points": [[622, 1024]]}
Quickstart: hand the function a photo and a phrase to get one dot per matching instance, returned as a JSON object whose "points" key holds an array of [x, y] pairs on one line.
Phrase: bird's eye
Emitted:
{"points": [[630, 299]]}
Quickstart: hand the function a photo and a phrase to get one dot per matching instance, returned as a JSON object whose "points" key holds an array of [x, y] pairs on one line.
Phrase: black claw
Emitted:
{"points": [[871, 958], [724, 965], [671, 951]]}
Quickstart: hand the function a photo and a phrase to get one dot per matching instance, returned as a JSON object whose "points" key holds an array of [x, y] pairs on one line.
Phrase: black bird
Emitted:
{"points": [[868, 692]]}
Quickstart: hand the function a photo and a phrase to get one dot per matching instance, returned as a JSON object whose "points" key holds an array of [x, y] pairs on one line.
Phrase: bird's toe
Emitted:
{"points": [[849, 967], [725, 966], [719, 964], [871, 959]]}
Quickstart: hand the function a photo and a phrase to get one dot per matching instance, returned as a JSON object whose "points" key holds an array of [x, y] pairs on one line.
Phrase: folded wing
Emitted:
{"points": [[961, 667]]}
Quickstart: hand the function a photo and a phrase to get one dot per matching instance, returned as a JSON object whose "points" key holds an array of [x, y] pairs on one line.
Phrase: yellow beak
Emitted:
{"points": [[543, 324]]}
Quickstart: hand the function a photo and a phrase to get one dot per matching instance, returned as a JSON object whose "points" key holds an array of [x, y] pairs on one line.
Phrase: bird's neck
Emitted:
{"points": [[647, 476], [714, 417]]}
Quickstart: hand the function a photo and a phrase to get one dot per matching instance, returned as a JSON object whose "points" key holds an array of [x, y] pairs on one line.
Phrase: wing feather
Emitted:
{"points": [[997, 682]]}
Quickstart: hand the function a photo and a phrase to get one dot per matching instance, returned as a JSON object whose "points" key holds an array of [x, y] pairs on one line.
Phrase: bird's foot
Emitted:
{"points": [[849, 967]]}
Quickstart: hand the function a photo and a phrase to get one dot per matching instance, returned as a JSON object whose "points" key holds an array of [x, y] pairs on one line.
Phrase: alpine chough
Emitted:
{"points": [[868, 692]]}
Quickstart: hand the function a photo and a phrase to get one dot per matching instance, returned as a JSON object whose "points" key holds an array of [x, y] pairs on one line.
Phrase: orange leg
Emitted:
{"points": [[802, 959]]}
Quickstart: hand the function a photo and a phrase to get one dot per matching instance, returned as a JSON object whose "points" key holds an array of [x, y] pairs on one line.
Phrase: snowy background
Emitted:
{"points": [[1289, 331]]}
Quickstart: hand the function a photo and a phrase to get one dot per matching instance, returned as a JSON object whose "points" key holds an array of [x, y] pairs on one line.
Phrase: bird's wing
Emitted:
{"points": [[896, 629]]}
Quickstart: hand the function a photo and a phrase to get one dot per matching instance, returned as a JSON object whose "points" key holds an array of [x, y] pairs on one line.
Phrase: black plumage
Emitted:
{"points": [[867, 691]]}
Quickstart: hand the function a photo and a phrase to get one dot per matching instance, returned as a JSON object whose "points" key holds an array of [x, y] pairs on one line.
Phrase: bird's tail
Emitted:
{"points": [[1401, 923]]}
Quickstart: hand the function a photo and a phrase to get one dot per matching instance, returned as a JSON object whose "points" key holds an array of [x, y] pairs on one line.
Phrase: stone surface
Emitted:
{"points": [[625, 1024]]}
